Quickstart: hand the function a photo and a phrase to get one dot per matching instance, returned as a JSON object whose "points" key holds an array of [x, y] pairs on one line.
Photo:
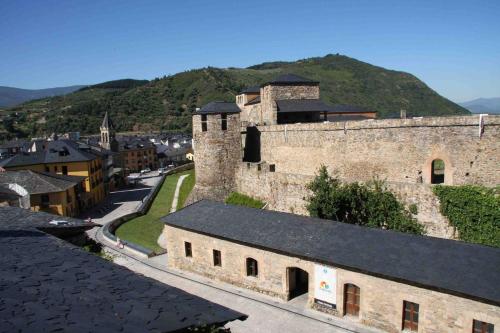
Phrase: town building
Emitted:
{"points": [[132, 153], [389, 280], [65, 157], [44, 191], [50, 285]]}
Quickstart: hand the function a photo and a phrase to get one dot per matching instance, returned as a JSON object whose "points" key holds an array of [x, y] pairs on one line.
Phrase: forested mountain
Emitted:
{"points": [[167, 103], [483, 105], [13, 96]]}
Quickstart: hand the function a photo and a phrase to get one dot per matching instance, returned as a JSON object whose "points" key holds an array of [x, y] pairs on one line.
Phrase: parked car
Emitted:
{"points": [[161, 171], [144, 171]]}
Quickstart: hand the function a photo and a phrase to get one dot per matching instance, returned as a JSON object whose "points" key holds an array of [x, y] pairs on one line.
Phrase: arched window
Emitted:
{"points": [[437, 172], [252, 267], [351, 299]]}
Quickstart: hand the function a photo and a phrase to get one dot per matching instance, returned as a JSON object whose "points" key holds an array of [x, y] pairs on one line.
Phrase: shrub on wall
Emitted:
{"points": [[370, 204], [473, 210], [239, 199]]}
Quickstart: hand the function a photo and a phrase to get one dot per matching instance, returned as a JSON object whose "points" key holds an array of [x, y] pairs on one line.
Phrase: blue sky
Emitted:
{"points": [[453, 46]]}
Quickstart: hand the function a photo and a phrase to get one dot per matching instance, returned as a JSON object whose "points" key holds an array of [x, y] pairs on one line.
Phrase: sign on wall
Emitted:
{"points": [[325, 286]]}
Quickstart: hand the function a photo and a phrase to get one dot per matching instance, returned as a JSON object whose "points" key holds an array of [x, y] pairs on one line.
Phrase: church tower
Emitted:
{"points": [[107, 133]]}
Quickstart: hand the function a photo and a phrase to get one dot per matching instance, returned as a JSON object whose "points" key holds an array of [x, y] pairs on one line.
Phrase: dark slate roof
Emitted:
{"points": [[134, 142], [251, 90], [39, 182], [342, 108], [291, 79], [48, 285], [7, 194], [219, 107], [58, 151], [302, 105], [454, 267], [346, 117], [254, 100], [16, 143]]}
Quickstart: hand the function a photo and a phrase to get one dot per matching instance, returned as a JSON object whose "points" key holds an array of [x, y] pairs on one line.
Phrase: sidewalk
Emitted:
{"points": [[266, 314]]}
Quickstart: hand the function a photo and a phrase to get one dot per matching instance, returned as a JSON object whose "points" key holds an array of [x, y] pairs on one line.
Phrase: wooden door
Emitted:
{"points": [[351, 299]]}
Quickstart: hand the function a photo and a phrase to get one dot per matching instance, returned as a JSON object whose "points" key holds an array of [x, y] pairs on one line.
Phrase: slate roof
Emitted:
{"points": [[39, 182], [251, 90], [346, 117], [48, 285], [302, 105], [131, 143], [219, 107], [58, 151], [449, 266], [291, 79]]}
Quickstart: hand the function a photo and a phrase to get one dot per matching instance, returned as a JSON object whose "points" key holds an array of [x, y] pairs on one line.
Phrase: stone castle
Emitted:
{"points": [[272, 141]]}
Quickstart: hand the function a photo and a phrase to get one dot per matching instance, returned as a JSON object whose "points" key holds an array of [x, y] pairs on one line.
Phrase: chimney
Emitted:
{"points": [[403, 114]]}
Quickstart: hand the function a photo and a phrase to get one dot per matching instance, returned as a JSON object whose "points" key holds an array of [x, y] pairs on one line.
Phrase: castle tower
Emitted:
{"points": [[107, 133], [217, 149]]}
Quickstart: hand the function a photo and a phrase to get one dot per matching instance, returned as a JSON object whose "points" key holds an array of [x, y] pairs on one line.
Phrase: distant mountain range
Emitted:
{"points": [[13, 96], [167, 103], [483, 105]]}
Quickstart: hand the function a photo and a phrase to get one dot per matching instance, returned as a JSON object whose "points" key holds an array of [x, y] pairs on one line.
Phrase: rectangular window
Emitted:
{"points": [[482, 327], [45, 200], [188, 250], [64, 170], [203, 122], [259, 167], [47, 169], [272, 167], [217, 258], [223, 118], [410, 316]]}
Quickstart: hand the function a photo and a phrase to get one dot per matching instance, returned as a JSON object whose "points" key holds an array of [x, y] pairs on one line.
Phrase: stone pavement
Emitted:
{"points": [[266, 314]]}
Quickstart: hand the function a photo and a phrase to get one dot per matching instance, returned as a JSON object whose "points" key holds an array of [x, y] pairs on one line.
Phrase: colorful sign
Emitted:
{"points": [[325, 285]]}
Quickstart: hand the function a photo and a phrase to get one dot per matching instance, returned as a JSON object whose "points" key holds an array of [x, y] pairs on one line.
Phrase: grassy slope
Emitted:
{"points": [[167, 103], [146, 229]]}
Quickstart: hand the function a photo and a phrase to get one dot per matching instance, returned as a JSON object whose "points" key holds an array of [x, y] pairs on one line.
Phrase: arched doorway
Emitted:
{"points": [[351, 299], [437, 171], [298, 282]]}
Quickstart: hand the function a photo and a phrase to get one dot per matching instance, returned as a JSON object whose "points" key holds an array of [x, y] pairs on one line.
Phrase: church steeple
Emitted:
{"points": [[107, 132]]}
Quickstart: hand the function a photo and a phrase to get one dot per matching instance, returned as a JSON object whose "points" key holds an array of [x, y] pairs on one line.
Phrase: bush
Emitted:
{"points": [[473, 210], [370, 205], [239, 199]]}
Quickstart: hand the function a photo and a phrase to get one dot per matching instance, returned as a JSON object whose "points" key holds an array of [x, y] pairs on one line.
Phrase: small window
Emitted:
{"points": [[223, 124], [272, 167], [252, 267], [45, 200], [203, 122], [482, 327], [410, 316], [437, 172], [259, 167], [188, 250], [47, 169], [64, 170], [217, 258]]}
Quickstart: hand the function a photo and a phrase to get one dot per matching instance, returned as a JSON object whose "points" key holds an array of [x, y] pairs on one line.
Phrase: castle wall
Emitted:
{"points": [[251, 114], [217, 154], [271, 93], [398, 151]]}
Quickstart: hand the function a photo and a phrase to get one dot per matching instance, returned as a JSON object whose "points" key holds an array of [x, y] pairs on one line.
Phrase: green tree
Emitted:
{"points": [[370, 204]]}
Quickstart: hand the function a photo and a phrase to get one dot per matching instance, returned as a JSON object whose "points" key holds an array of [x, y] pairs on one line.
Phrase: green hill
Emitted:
{"points": [[166, 103]]}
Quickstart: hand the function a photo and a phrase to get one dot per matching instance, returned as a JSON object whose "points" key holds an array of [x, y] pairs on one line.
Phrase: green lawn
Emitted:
{"points": [[146, 229]]}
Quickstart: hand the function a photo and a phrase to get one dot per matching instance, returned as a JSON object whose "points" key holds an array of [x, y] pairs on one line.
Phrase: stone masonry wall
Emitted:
{"points": [[216, 154], [381, 300], [397, 151], [271, 93]]}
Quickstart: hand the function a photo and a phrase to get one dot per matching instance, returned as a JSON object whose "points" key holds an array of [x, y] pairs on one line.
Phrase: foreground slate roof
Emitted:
{"points": [[219, 107], [49, 285], [454, 267], [39, 182]]}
